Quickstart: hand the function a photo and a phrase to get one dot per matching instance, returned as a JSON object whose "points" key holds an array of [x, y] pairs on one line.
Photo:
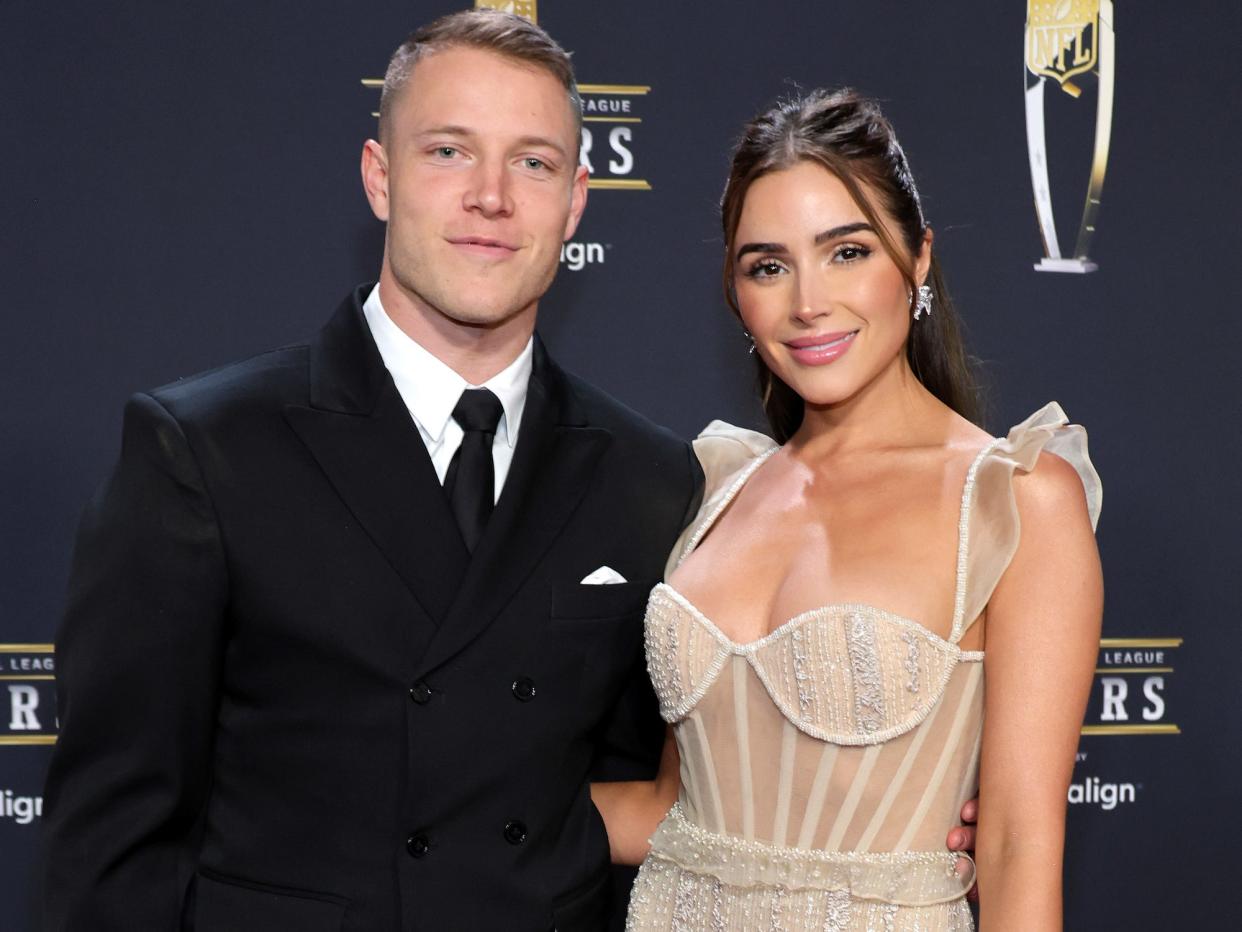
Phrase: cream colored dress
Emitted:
{"points": [[823, 765]]}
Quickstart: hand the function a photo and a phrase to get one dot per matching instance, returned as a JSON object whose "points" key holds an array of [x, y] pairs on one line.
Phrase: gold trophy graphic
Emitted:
{"points": [[524, 8], [1065, 39]]}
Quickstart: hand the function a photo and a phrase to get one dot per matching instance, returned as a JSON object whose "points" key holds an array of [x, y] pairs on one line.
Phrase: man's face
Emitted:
{"points": [[480, 184]]}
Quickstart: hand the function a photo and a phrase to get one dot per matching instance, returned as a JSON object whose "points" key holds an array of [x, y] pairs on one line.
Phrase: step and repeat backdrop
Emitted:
{"points": [[180, 189]]}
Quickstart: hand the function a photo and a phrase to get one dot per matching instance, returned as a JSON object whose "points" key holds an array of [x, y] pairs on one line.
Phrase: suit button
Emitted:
{"points": [[524, 689], [515, 832], [418, 845], [420, 692]]}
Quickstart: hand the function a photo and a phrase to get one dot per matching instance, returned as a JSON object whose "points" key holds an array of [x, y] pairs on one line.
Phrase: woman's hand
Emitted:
{"points": [[962, 838]]}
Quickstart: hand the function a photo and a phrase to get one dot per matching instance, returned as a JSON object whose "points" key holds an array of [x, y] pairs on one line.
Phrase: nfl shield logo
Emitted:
{"points": [[1061, 39]]}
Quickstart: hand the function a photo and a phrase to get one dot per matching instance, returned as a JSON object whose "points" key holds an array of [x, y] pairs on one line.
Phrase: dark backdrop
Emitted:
{"points": [[180, 188]]}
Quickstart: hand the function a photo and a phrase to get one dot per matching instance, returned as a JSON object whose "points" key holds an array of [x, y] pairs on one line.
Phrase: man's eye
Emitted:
{"points": [[534, 164], [445, 152]]}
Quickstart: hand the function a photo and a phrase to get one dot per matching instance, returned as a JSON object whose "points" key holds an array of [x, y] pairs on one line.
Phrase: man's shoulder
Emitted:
{"points": [[269, 380], [603, 410], [655, 465]]}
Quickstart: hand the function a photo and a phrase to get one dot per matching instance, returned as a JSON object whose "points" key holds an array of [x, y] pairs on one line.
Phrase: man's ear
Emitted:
{"points": [[577, 201], [375, 177]]}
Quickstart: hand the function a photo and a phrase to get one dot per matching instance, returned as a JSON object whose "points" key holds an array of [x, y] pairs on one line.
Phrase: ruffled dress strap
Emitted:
{"points": [[727, 454], [990, 527]]}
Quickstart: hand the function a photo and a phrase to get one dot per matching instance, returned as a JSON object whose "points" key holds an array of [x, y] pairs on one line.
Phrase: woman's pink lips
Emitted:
{"points": [[821, 349]]}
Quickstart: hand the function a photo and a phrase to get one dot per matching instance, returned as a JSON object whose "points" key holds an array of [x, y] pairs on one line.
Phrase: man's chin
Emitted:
{"points": [[485, 317], [489, 313]]}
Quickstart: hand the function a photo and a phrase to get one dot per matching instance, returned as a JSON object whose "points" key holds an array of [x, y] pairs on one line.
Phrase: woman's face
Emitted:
{"points": [[825, 303]]}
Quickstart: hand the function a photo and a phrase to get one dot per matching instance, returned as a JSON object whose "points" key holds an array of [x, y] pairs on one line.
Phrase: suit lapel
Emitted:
{"points": [[361, 434], [552, 468]]}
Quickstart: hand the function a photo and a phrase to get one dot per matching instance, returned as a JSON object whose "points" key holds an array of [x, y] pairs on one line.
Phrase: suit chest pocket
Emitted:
{"points": [[595, 634], [614, 600]]}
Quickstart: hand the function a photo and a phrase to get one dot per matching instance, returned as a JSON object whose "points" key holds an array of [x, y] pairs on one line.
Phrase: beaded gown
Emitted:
{"points": [[822, 766]]}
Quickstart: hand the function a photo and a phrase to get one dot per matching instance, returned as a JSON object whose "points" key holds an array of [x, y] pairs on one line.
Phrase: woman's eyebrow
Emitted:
{"points": [[844, 230], [759, 247]]}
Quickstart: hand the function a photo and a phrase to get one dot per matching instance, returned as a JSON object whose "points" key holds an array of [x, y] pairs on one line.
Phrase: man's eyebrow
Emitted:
{"points": [[844, 229], [446, 130], [542, 141]]}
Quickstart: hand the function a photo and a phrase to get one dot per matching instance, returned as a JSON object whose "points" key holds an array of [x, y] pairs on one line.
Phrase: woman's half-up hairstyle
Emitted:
{"points": [[849, 136]]}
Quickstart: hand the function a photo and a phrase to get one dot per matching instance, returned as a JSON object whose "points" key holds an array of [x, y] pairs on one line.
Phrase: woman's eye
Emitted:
{"points": [[765, 268], [850, 252]]}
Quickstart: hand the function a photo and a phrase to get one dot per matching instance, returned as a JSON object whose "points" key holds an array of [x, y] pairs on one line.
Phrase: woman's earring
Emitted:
{"points": [[924, 303], [751, 340]]}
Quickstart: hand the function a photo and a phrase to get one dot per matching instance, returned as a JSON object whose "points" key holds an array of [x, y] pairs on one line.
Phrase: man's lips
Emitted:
{"points": [[483, 245]]}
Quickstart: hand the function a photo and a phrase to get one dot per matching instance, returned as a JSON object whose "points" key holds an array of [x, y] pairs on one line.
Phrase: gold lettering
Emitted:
{"points": [[1068, 35], [1081, 56], [1043, 47]]}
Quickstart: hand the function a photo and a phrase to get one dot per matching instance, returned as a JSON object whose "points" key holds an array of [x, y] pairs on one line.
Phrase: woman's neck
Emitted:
{"points": [[893, 410]]}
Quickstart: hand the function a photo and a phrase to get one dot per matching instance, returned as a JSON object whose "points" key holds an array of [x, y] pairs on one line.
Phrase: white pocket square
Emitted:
{"points": [[603, 576]]}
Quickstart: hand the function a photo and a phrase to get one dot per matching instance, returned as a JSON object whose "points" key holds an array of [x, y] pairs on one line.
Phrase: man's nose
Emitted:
{"points": [[488, 191]]}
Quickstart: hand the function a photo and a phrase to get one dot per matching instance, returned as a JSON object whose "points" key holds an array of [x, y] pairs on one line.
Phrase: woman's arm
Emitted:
{"points": [[1043, 629], [632, 809]]}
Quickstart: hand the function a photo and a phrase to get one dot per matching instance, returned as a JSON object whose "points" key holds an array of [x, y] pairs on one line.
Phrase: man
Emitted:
{"points": [[331, 659]]}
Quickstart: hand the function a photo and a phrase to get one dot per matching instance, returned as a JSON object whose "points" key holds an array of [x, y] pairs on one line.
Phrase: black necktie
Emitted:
{"points": [[471, 480]]}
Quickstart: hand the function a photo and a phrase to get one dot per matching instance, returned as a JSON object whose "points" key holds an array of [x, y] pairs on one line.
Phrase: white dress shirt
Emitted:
{"points": [[431, 389]]}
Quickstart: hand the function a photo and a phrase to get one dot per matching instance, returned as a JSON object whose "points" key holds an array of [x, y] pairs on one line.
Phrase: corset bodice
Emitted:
{"points": [[823, 734], [834, 754]]}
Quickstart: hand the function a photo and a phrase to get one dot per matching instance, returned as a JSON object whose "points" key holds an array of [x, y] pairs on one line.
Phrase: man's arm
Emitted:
{"points": [[138, 664], [632, 740], [632, 809]]}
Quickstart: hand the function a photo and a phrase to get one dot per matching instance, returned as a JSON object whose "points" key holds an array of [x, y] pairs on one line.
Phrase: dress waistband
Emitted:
{"points": [[906, 878]]}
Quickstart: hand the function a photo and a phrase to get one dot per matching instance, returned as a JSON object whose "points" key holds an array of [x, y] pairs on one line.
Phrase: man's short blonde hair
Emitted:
{"points": [[491, 30]]}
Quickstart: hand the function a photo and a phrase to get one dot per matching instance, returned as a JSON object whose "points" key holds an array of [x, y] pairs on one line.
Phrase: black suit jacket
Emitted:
{"points": [[289, 697]]}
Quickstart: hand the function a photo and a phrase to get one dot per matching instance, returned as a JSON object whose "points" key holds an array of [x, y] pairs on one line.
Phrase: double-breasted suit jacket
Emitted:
{"points": [[289, 697]]}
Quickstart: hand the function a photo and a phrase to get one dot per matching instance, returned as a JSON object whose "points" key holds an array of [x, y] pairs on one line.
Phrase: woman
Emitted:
{"points": [[818, 647]]}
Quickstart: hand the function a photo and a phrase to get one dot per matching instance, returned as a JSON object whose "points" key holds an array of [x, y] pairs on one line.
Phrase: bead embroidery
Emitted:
{"points": [[823, 704], [718, 921], [912, 660], [868, 698], [803, 678], [670, 898], [838, 908], [775, 922], [683, 904]]}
